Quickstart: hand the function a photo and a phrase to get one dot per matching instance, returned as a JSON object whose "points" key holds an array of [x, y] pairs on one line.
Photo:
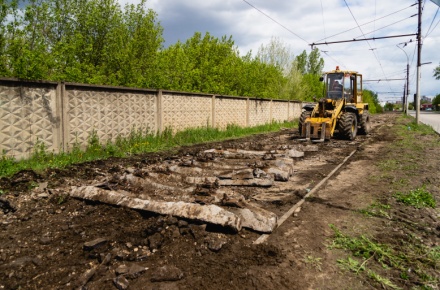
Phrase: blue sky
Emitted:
{"points": [[300, 23]]}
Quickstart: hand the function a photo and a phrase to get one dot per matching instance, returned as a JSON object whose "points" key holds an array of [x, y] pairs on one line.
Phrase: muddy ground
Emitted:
{"points": [[50, 240]]}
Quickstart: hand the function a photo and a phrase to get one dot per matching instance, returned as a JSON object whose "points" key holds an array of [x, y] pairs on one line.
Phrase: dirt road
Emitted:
{"points": [[51, 240]]}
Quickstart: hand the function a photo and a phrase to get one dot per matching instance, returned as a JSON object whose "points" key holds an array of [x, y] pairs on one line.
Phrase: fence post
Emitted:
{"points": [[247, 112], [64, 117], [213, 112], [159, 113], [58, 143], [271, 111]]}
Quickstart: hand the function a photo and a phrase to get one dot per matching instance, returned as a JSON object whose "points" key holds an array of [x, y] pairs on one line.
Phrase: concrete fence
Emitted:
{"points": [[63, 114]]}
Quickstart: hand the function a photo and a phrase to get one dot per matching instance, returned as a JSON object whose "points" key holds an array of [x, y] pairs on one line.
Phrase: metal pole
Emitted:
{"points": [[405, 98], [419, 53], [407, 86]]}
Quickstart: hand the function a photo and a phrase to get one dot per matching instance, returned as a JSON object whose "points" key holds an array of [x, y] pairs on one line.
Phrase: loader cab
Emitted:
{"points": [[343, 85], [334, 86]]}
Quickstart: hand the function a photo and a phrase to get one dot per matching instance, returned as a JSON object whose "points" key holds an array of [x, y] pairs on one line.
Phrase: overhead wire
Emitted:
{"points": [[387, 25], [268, 16], [278, 23], [428, 32], [372, 50], [366, 23], [323, 19]]}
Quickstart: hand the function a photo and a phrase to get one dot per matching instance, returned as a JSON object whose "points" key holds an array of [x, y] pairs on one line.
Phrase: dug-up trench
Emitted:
{"points": [[227, 187]]}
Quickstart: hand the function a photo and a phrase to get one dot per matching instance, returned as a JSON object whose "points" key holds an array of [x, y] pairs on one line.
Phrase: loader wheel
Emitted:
{"points": [[302, 119], [365, 123], [348, 126]]}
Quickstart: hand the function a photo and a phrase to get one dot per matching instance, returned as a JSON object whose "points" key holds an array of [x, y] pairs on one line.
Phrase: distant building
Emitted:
{"points": [[425, 99], [426, 106]]}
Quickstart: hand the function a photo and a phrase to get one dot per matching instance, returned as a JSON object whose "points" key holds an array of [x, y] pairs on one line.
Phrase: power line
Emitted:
{"points": [[367, 22], [323, 20], [362, 39], [275, 21], [428, 31], [372, 50], [388, 25]]}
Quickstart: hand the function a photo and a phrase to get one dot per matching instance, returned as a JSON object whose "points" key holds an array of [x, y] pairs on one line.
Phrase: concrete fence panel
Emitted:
{"points": [[259, 112], [60, 115], [230, 111], [107, 112], [29, 114], [181, 111]]}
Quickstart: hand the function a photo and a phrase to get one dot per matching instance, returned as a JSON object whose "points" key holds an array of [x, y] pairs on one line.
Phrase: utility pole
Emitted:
{"points": [[419, 53], [405, 98]]}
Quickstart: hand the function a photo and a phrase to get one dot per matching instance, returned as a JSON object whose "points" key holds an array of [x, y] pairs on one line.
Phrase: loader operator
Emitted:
{"points": [[336, 86]]}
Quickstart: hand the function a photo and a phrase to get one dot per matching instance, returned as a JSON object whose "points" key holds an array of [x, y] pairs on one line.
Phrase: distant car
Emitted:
{"points": [[428, 109]]}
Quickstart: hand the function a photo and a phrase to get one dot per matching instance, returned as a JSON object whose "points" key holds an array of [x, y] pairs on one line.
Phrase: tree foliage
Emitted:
{"points": [[100, 42], [437, 73], [436, 102], [372, 99]]}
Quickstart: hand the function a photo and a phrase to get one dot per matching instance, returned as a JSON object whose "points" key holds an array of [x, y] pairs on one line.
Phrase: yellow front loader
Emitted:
{"points": [[341, 109]]}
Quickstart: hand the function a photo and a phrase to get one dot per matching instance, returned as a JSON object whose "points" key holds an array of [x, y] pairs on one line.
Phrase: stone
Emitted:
{"points": [[166, 273], [182, 224], [105, 258], [121, 283], [121, 269], [155, 241], [216, 241], [278, 174], [255, 218], [200, 180], [255, 182], [45, 240], [135, 271], [198, 231], [311, 148], [96, 243], [85, 277], [293, 153]]}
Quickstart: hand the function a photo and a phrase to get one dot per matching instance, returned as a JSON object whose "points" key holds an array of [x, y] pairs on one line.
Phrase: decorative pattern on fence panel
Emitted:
{"points": [[259, 112], [230, 111], [280, 111], [108, 114], [182, 111], [28, 117]]}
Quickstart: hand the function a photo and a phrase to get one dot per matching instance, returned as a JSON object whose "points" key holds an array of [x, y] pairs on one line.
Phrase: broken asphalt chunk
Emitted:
{"points": [[206, 213]]}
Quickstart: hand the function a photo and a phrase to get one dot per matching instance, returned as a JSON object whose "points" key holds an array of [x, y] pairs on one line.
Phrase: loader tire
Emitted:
{"points": [[348, 126], [302, 119], [365, 123]]}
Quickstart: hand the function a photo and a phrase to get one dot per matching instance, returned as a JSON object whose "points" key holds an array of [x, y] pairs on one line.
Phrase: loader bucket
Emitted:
{"points": [[316, 130]]}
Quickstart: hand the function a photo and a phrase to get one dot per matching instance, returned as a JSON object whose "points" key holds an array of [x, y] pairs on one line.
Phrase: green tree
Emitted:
{"points": [[277, 54], [389, 107], [436, 102], [315, 62], [437, 73], [372, 99], [310, 64], [301, 62]]}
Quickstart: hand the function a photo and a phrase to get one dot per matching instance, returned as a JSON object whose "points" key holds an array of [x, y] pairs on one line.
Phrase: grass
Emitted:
{"points": [[377, 209], [138, 142], [418, 198], [312, 261], [369, 257]]}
